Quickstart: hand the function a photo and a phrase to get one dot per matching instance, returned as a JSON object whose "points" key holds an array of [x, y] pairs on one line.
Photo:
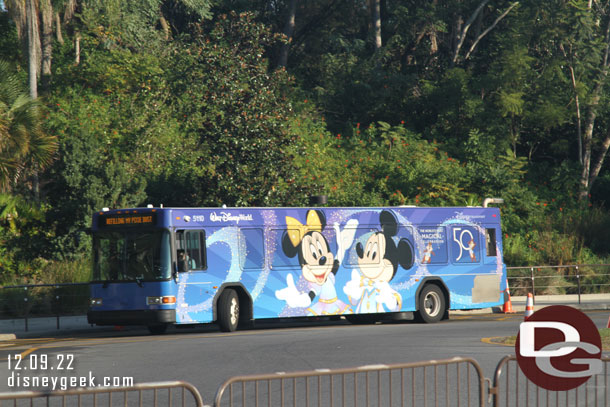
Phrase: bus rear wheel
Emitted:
{"points": [[228, 311], [432, 305]]}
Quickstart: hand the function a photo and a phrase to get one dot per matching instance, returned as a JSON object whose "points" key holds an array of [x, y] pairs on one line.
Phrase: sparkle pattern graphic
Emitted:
{"points": [[271, 240]]}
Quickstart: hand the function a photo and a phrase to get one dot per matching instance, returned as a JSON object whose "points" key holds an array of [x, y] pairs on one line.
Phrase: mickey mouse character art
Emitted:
{"points": [[378, 260], [318, 265]]}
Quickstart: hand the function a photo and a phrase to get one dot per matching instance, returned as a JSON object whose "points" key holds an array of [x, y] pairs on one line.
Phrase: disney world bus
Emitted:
{"points": [[179, 266]]}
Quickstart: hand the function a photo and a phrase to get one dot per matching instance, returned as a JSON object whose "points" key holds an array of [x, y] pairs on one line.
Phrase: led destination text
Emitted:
{"points": [[127, 220]]}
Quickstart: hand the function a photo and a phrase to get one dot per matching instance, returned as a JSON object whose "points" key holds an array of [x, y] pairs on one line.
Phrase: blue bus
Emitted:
{"points": [[179, 266]]}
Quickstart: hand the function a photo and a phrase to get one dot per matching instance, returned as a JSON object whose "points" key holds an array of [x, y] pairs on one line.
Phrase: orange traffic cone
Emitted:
{"points": [[529, 306], [508, 305]]}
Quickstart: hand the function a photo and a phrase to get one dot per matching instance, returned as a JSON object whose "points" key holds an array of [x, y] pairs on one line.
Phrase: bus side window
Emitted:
{"points": [[253, 248], [195, 250], [352, 257], [180, 253], [490, 238]]}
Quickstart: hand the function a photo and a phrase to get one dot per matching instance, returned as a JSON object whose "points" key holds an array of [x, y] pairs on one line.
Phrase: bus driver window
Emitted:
{"points": [[183, 262], [190, 250]]}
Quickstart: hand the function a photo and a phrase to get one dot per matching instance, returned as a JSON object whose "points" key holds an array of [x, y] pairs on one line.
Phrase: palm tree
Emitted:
{"points": [[23, 144], [13, 208]]}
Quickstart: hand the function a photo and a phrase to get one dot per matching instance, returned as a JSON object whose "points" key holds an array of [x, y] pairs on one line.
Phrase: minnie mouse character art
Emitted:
{"points": [[318, 265], [378, 260]]}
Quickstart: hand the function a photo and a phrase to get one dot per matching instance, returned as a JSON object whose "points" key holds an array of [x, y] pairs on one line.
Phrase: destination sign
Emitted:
{"points": [[127, 219]]}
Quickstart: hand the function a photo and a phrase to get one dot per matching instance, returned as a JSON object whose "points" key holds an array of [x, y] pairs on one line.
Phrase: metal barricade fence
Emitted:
{"points": [[450, 382], [512, 388], [175, 393], [565, 279], [43, 300]]}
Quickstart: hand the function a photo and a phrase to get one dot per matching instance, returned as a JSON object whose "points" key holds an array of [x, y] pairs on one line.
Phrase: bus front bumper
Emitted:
{"points": [[136, 317]]}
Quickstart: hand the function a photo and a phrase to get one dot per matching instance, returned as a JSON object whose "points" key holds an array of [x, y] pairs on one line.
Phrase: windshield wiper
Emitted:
{"points": [[139, 282]]}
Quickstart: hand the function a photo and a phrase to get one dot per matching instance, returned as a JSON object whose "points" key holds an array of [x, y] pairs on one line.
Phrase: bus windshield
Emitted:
{"points": [[132, 255]]}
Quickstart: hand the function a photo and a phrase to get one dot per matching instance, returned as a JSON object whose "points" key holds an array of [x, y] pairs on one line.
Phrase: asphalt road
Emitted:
{"points": [[207, 357]]}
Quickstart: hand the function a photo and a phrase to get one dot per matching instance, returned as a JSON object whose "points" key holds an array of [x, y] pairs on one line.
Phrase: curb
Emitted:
{"points": [[602, 304], [480, 311], [7, 337]]}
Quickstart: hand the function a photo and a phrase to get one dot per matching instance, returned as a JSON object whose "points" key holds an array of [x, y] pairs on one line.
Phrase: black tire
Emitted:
{"points": [[157, 329], [362, 319], [228, 310], [431, 304]]}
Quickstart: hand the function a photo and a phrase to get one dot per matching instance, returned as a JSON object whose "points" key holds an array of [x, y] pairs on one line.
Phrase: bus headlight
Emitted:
{"points": [[95, 302], [168, 299]]}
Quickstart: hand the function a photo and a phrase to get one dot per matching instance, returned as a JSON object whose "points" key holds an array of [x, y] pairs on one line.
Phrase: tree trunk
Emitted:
{"points": [[458, 22], [491, 27], [587, 143], [58, 34], [69, 10], [165, 27], [586, 177], [433, 42], [77, 48], [288, 32], [34, 70], [376, 16], [47, 40], [462, 30], [599, 162], [17, 11], [33, 47], [570, 57]]}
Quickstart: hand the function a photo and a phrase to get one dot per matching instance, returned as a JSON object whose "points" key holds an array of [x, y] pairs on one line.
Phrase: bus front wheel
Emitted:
{"points": [[228, 310], [432, 305]]}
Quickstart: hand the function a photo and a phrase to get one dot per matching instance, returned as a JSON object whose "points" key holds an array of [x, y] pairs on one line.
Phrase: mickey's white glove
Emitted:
{"points": [[345, 237], [353, 287], [388, 297], [292, 296]]}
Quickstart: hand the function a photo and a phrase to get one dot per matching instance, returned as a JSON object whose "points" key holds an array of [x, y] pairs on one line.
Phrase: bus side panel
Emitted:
{"points": [[266, 303], [125, 303], [197, 289], [194, 300], [129, 295], [327, 261]]}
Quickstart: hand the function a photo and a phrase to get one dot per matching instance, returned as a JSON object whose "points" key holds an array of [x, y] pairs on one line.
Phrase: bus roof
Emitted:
{"points": [[259, 216]]}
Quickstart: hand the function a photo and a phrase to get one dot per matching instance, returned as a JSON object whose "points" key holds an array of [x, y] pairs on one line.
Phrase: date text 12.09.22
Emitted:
{"points": [[41, 362]]}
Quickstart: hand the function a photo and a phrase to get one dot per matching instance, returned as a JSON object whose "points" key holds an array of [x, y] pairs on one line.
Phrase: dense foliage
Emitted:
{"points": [[259, 103]]}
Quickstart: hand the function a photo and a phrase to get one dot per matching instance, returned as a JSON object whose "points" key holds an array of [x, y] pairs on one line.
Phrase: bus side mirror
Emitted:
{"points": [[182, 266]]}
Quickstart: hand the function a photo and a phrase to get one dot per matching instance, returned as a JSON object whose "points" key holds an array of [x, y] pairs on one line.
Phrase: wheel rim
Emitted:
{"points": [[432, 303], [234, 311]]}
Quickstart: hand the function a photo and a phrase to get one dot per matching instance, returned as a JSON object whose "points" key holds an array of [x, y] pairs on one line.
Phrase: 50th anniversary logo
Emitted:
{"points": [[559, 348]]}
